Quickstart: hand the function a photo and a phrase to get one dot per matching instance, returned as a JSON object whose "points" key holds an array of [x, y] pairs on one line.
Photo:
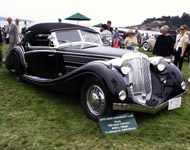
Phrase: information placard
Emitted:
{"points": [[174, 103], [118, 123]]}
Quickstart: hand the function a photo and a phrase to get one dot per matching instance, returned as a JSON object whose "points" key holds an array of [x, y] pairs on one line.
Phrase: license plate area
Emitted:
{"points": [[174, 103]]}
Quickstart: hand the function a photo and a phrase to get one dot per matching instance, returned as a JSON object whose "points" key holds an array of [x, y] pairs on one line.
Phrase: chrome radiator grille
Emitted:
{"points": [[140, 78]]}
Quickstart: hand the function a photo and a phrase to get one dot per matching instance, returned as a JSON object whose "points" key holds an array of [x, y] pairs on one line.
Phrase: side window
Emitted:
{"points": [[40, 40]]}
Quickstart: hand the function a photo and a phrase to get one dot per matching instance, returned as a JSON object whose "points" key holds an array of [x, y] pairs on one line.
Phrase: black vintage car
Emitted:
{"points": [[71, 58]]}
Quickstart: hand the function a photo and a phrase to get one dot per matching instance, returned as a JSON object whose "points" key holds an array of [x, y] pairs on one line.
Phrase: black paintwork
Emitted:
{"points": [[66, 69]]}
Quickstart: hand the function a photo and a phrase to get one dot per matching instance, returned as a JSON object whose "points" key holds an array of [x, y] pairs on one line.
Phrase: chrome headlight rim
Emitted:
{"points": [[158, 62], [161, 66], [125, 67]]}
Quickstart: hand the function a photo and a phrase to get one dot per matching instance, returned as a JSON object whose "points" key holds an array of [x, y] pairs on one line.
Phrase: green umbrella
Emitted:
{"points": [[78, 17], [98, 25]]}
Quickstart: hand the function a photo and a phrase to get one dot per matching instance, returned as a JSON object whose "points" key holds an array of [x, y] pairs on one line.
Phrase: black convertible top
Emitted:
{"points": [[46, 28]]}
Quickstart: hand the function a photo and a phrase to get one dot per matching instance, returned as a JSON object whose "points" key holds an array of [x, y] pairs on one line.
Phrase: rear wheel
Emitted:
{"points": [[94, 99], [145, 46]]}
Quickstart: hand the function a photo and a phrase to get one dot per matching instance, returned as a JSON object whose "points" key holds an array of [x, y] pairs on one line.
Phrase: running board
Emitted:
{"points": [[30, 77]]}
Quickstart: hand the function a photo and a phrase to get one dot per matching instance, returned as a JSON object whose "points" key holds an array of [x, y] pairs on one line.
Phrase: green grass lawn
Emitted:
{"points": [[35, 118]]}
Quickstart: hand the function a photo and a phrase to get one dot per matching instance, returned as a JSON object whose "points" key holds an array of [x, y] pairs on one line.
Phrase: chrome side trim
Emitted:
{"points": [[39, 51], [72, 53], [138, 108]]}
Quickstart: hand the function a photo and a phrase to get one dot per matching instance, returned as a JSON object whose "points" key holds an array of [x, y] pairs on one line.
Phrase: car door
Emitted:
{"points": [[43, 62]]}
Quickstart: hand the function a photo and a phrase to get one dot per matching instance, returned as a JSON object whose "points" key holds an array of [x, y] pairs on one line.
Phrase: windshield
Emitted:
{"points": [[90, 37], [68, 36], [77, 36]]}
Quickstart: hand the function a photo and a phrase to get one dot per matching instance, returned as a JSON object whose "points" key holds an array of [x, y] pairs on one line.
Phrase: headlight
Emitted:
{"points": [[125, 70], [161, 64], [183, 86], [125, 67], [158, 62]]}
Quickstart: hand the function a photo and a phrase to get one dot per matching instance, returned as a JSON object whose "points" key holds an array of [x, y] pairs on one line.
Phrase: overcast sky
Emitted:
{"points": [[120, 12]]}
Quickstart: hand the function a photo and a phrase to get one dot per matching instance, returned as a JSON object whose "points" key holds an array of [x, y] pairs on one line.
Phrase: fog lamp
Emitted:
{"points": [[183, 86], [122, 95]]}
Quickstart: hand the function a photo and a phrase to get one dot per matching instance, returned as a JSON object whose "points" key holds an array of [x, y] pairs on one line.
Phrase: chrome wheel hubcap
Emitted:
{"points": [[145, 46], [95, 100]]}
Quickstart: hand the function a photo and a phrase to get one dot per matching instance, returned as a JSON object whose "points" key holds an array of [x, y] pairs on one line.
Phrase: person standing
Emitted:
{"points": [[116, 33], [12, 36], [1, 52], [18, 29], [24, 31], [164, 44], [106, 35], [181, 43], [147, 36], [131, 40], [109, 27], [138, 36]]}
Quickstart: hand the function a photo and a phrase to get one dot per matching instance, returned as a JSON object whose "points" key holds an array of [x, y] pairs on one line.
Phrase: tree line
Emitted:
{"points": [[173, 22]]}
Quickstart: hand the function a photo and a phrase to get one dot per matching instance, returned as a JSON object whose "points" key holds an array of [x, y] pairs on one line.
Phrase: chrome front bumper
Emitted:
{"points": [[138, 108]]}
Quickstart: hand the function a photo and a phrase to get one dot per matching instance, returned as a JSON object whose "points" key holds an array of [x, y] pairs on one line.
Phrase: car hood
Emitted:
{"points": [[99, 50]]}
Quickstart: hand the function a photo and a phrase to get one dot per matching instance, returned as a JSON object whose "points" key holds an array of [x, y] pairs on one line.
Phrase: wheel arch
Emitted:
{"points": [[110, 78], [15, 60]]}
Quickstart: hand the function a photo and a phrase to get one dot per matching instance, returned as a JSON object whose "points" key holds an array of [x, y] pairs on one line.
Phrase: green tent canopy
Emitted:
{"points": [[78, 17], [98, 25]]}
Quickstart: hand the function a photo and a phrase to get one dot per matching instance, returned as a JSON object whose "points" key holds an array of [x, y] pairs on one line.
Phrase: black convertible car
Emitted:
{"points": [[71, 58]]}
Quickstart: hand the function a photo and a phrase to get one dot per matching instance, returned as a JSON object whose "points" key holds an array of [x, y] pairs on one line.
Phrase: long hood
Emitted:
{"points": [[99, 51]]}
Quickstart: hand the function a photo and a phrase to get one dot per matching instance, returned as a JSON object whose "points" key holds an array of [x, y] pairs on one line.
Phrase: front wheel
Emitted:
{"points": [[145, 46], [94, 99]]}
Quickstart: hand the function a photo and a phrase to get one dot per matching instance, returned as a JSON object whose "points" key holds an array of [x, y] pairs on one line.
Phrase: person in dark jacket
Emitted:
{"points": [[1, 52], [164, 44]]}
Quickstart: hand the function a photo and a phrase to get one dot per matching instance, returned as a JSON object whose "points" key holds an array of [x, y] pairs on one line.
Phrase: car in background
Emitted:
{"points": [[148, 44]]}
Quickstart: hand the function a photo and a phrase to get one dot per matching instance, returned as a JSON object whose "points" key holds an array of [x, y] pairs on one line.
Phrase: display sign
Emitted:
{"points": [[118, 123], [174, 103]]}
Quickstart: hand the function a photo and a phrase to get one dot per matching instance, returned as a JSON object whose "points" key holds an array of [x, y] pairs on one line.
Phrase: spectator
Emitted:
{"points": [[182, 41], [24, 31], [4, 33], [116, 43], [106, 35], [116, 34], [1, 52], [164, 44], [142, 38], [147, 36], [138, 36], [131, 40], [18, 29], [12, 35], [109, 27]]}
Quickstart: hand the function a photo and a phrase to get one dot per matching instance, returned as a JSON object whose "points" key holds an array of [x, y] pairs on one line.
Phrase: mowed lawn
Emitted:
{"points": [[32, 117]]}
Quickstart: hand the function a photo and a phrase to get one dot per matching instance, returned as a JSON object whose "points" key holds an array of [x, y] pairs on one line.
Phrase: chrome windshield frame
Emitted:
{"points": [[69, 44]]}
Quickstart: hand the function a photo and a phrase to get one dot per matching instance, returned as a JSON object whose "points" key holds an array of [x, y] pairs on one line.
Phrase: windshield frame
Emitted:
{"points": [[82, 42]]}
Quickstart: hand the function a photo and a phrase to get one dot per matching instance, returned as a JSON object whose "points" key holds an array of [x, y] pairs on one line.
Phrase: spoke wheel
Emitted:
{"points": [[94, 99]]}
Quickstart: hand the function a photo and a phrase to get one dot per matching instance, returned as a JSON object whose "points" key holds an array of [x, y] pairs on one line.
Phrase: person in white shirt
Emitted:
{"points": [[18, 29], [106, 35], [182, 41]]}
